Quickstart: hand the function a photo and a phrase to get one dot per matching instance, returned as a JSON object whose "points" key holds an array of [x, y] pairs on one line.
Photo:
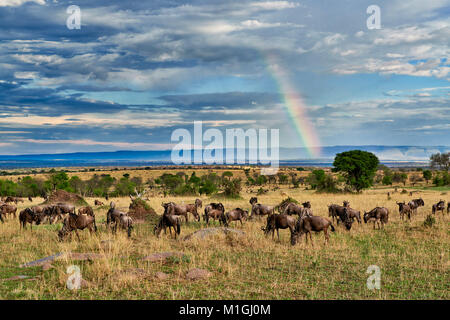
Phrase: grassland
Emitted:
{"points": [[414, 259]]}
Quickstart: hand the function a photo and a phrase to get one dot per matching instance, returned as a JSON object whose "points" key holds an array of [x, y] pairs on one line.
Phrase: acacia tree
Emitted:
{"points": [[441, 160], [358, 168]]}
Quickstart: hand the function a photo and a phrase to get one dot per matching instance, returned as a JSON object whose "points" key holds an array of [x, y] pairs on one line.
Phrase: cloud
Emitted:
{"points": [[16, 3]]}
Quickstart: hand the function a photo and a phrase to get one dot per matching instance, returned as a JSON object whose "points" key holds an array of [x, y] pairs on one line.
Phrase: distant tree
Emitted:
{"points": [[387, 180], [415, 178], [358, 167], [58, 181], [427, 175], [441, 161], [282, 178]]}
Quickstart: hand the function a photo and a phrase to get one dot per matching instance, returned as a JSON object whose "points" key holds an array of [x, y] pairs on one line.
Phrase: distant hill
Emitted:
{"points": [[297, 156]]}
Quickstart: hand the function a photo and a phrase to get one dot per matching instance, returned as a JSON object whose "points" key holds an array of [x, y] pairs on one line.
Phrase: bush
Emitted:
{"points": [[429, 221]]}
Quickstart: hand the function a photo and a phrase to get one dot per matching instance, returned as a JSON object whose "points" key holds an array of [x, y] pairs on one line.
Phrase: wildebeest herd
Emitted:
{"points": [[174, 214]]}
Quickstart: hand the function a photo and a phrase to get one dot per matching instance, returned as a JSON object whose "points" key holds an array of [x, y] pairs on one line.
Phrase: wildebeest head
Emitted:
{"points": [[306, 204], [270, 224], [253, 200], [365, 217], [198, 203], [347, 220], [346, 203]]}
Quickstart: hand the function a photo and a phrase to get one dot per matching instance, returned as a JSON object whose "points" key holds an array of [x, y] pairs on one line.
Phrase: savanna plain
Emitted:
{"points": [[413, 257]]}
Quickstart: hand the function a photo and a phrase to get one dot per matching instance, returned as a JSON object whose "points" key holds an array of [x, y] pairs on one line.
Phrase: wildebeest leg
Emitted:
{"points": [[310, 238], [325, 232], [278, 234], [78, 236]]}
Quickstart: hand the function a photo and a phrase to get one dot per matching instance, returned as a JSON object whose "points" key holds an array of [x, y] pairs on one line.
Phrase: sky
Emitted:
{"points": [[138, 70]]}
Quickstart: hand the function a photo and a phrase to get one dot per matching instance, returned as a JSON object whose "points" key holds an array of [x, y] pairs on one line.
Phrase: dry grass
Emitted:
{"points": [[413, 259]]}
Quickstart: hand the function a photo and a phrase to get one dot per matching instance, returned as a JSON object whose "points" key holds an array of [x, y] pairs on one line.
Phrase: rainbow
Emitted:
{"points": [[295, 107]]}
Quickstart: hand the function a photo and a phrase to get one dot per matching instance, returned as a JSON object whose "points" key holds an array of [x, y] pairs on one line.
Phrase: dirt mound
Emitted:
{"points": [[140, 210], [66, 197]]}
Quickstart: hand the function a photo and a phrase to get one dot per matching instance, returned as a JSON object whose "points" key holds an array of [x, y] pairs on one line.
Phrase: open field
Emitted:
{"points": [[414, 259]]}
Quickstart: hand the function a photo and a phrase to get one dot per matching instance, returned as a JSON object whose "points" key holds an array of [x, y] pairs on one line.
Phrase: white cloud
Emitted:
{"points": [[16, 3]]}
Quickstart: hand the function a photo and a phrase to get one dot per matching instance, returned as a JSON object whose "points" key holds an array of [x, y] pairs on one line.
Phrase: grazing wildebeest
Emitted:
{"points": [[113, 217], [307, 224], [168, 220], [98, 203], [279, 221], [126, 223], [377, 215], [215, 211], [259, 209], [353, 214], [236, 215], [27, 215], [440, 206], [59, 211], [192, 208], [8, 209], [293, 208], [86, 210], [337, 211], [74, 222], [404, 209], [184, 209]]}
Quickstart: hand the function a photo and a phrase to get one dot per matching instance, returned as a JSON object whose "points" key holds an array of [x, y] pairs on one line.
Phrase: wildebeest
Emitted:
{"points": [[27, 215], [115, 218], [184, 209], [337, 211], [98, 203], [404, 209], [259, 209], [13, 199], [307, 224], [416, 203], [440, 206], [377, 215], [236, 215], [279, 221], [8, 209], [215, 211], [74, 222], [168, 220], [353, 214], [292, 209], [86, 210]]}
